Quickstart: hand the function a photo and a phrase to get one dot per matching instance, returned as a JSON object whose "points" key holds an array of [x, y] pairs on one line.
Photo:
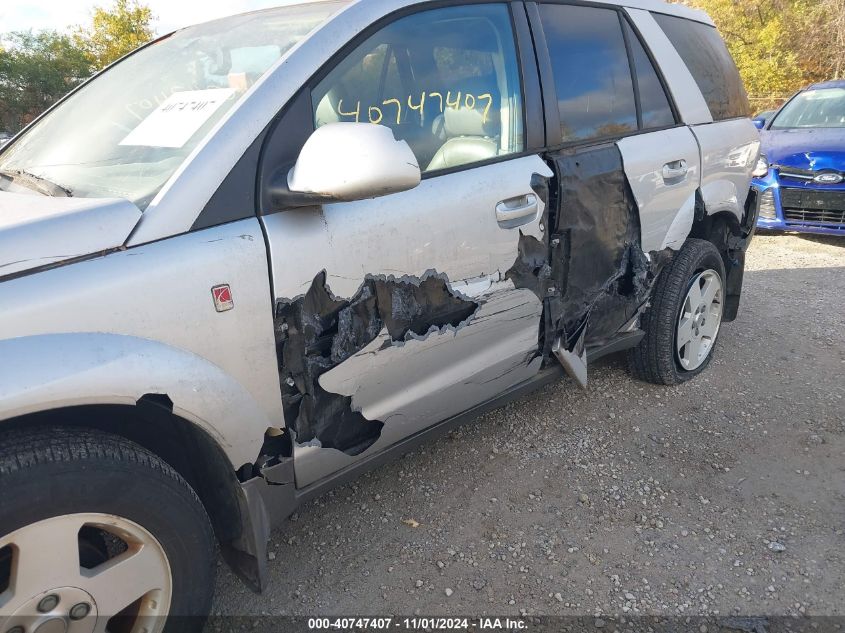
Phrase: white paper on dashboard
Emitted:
{"points": [[175, 121]]}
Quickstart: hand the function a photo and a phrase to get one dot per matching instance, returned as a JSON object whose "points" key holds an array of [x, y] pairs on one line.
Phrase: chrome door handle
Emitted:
{"points": [[676, 170], [517, 211]]}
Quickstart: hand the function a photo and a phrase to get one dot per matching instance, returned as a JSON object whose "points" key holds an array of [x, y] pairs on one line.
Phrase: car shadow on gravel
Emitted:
{"points": [[818, 238], [829, 240]]}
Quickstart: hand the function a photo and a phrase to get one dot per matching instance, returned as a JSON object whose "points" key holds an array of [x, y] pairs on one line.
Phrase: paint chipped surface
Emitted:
{"points": [[433, 377], [319, 331], [414, 384]]}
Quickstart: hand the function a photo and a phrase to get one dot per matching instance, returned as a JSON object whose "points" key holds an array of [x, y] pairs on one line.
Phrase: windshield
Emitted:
{"points": [[824, 107], [127, 131]]}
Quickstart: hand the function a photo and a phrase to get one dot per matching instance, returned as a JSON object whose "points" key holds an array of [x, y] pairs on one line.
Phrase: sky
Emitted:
{"points": [[21, 15]]}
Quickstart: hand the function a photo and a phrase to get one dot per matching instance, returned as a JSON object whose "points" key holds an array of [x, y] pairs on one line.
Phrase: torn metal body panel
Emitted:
{"points": [[591, 273], [319, 332], [605, 276], [265, 502], [574, 361], [450, 370], [431, 297]]}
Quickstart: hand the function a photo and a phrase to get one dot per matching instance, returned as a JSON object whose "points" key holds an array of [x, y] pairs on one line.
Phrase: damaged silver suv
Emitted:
{"points": [[264, 254]]}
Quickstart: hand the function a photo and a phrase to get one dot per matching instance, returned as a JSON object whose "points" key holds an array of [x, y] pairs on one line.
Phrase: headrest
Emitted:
{"points": [[470, 122]]}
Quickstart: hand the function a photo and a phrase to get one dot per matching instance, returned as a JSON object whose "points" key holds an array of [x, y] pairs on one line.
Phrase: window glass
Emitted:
{"points": [[446, 81], [127, 131], [823, 107], [592, 76], [711, 65], [654, 104]]}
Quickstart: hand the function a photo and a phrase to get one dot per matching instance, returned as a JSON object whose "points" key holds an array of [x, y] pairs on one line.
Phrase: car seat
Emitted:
{"points": [[469, 138]]}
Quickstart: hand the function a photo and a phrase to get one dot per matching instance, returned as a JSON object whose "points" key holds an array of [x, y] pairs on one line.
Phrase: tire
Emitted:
{"points": [[131, 506], [656, 359]]}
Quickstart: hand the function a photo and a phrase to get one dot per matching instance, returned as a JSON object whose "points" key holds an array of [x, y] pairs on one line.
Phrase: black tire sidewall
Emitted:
{"points": [[164, 505]]}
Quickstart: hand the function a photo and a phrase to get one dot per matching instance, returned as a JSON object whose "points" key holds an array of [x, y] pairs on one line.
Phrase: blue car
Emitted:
{"points": [[800, 179]]}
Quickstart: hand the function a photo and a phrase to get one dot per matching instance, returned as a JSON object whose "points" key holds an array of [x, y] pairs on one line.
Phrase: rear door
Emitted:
{"points": [[625, 169], [662, 162], [396, 313]]}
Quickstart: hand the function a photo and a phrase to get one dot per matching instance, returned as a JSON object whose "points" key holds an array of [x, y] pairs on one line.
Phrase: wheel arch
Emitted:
{"points": [[713, 227], [55, 371], [181, 407], [151, 424], [723, 230]]}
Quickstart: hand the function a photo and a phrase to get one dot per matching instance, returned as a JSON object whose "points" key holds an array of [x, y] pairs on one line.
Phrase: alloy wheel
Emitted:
{"points": [[699, 320], [86, 572]]}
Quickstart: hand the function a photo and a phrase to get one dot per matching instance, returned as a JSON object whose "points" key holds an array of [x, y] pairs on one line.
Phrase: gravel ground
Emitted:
{"points": [[721, 496]]}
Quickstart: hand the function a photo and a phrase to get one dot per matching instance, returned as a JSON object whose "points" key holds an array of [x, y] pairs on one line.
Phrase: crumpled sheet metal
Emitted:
{"points": [[318, 332]]}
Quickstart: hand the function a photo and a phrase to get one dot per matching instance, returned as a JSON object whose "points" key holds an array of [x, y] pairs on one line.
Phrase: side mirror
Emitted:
{"points": [[341, 162], [759, 123]]}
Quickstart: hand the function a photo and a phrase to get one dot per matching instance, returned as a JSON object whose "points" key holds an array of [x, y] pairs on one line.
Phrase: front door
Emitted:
{"points": [[396, 313]]}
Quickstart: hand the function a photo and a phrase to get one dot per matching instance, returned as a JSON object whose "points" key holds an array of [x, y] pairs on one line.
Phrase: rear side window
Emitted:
{"points": [[711, 65], [592, 76], [654, 104]]}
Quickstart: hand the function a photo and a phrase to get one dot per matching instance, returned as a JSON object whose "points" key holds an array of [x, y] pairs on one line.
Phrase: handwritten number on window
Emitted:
{"points": [[398, 108], [421, 106], [375, 114], [356, 113]]}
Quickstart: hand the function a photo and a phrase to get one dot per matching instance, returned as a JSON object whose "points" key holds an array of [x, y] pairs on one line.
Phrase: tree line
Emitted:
{"points": [[38, 68], [779, 46]]}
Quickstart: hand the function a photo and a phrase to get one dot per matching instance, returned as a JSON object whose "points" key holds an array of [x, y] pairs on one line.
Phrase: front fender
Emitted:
{"points": [[51, 371]]}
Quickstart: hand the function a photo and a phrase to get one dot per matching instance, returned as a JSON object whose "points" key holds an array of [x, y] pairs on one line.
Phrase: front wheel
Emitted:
{"points": [[98, 534], [684, 319]]}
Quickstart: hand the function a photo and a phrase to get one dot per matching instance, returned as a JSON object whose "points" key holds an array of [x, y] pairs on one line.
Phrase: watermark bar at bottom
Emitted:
{"points": [[528, 624]]}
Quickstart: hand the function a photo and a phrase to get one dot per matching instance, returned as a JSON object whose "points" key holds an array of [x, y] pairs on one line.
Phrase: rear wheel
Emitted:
{"points": [[684, 319], [98, 534]]}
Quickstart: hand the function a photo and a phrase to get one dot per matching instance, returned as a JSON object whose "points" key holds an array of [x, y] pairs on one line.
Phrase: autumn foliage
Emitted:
{"points": [[781, 45]]}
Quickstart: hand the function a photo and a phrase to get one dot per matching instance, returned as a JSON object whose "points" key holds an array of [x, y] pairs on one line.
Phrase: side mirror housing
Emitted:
{"points": [[342, 162], [759, 123]]}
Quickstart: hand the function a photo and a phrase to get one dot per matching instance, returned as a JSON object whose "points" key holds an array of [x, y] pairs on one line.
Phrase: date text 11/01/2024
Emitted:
{"points": [[417, 623]]}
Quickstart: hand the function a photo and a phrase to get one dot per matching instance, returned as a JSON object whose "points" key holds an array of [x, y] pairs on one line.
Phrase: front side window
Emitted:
{"points": [[710, 64], [592, 76], [446, 81], [125, 133], [821, 108]]}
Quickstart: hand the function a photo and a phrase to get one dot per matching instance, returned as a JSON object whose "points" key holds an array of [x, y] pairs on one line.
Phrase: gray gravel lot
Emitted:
{"points": [[722, 496]]}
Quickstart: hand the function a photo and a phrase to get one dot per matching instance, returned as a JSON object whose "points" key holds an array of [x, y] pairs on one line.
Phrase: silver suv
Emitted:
{"points": [[264, 254]]}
